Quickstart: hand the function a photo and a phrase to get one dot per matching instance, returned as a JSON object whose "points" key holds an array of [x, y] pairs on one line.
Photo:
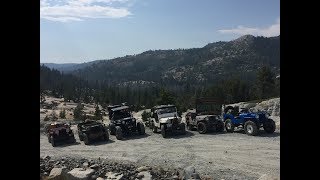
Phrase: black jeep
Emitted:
{"points": [[90, 130], [59, 132], [123, 123], [206, 117]]}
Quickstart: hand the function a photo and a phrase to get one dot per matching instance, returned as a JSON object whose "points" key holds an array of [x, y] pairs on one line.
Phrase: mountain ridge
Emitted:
{"points": [[214, 61]]}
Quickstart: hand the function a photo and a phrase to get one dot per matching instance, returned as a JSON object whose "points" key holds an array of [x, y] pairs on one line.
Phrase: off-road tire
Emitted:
{"points": [[229, 126], [141, 128], [163, 131], [73, 139], [106, 137], [219, 126], [183, 128], [202, 127], [119, 134], [189, 127], [251, 128], [155, 129], [150, 125], [112, 128], [81, 137], [269, 126], [53, 142], [86, 139]]}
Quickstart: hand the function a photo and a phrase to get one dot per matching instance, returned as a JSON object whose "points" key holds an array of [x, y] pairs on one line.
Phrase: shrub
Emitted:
{"points": [[145, 115]]}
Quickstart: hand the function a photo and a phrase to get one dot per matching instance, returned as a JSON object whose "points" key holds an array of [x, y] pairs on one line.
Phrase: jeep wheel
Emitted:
{"points": [[112, 129], [53, 142], [219, 126], [269, 126], [189, 127], [86, 139], [229, 126], [106, 137], [183, 128], [141, 128], [80, 137], [72, 139], [163, 131], [155, 129], [119, 134], [251, 128], [202, 128]]}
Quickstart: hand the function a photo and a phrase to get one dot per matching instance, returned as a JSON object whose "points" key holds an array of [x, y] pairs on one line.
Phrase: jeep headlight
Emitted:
{"points": [[257, 116]]}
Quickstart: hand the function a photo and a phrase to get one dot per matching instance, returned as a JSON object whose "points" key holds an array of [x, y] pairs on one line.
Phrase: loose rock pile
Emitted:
{"points": [[98, 169]]}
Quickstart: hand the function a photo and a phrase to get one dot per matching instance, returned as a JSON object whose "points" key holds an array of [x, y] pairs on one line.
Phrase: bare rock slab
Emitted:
{"points": [[58, 174], [80, 174]]}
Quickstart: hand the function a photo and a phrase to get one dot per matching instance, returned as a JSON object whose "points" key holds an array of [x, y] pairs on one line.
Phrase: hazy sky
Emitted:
{"points": [[86, 30]]}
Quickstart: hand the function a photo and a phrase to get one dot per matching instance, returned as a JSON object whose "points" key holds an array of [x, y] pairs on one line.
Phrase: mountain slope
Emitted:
{"points": [[213, 62]]}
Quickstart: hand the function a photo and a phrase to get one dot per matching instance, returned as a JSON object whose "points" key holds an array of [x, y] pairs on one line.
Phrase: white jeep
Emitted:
{"points": [[165, 118]]}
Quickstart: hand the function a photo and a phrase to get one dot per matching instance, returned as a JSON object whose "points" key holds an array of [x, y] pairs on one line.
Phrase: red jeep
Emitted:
{"points": [[60, 132]]}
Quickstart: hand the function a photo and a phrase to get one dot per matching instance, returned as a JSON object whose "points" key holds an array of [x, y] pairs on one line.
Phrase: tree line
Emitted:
{"points": [[229, 90]]}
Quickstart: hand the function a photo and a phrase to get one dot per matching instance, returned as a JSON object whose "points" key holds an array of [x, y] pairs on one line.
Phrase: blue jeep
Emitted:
{"points": [[250, 121]]}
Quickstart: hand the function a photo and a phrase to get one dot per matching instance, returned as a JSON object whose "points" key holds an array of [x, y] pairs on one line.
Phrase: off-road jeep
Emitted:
{"points": [[206, 117], [250, 121], [59, 132], [91, 130], [165, 118], [123, 123]]}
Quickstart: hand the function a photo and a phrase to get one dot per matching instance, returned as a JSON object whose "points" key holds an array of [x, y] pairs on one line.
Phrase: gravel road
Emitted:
{"points": [[222, 156]]}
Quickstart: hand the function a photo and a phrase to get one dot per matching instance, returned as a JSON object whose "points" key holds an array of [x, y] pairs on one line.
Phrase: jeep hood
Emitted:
{"points": [[168, 115], [166, 119]]}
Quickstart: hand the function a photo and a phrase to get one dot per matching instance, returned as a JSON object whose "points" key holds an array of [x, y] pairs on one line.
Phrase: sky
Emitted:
{"points": [[77, 31]]}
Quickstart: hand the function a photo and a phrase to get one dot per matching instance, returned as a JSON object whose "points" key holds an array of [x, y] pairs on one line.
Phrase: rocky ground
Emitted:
{"points": [[81, 168]]}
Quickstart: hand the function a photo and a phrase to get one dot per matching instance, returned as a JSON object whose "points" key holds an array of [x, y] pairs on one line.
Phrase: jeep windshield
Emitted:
{"points": [[121, 114], [167, 110]]}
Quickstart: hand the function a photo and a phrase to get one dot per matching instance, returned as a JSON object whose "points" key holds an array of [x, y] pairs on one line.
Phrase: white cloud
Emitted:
{"points": [[273, 30], [78, 10]]}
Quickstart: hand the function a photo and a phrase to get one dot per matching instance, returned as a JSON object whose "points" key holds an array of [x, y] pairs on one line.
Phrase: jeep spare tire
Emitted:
{"points": [[119, 134]]}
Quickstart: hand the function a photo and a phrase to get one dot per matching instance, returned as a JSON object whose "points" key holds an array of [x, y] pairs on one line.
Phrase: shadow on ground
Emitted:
{"points": [[133, 136], [179, 136], [98, 142], [261, 133]]}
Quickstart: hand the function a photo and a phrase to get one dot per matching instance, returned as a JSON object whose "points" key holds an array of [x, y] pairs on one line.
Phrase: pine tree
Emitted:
{"points": [[97, 113], [78, 113], [62, 114], [265, 83]]}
